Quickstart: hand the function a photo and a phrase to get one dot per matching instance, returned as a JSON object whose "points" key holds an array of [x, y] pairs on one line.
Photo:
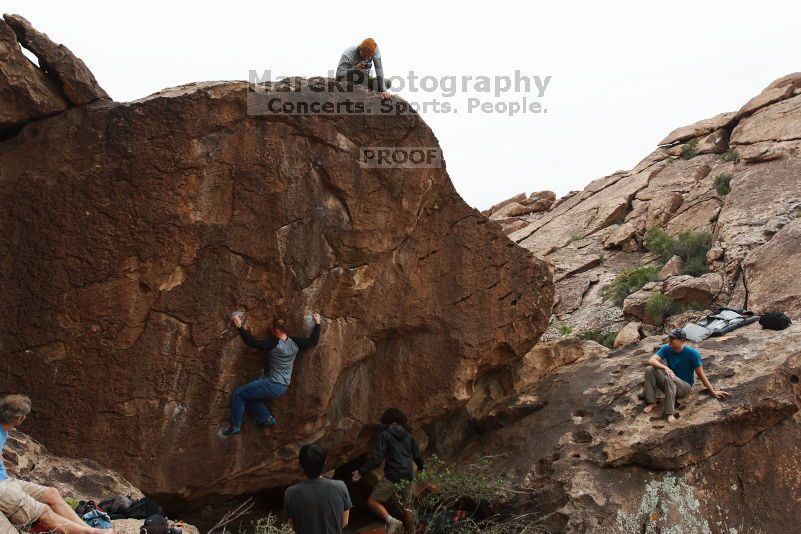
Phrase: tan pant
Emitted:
{"points": [[657, 379], [5, 526], [385, 492], [20, 501]]}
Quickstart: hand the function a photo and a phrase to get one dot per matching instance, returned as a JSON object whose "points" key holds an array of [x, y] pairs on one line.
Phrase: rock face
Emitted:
{"points": [[591, 236], [85, 480], [25, 91], [599, 464], [58, 62], [136, 228]]}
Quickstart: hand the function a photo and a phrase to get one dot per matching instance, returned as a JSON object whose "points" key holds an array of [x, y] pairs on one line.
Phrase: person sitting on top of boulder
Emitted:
{"points": [[23, 503], [282, 350], [356, 63], [671, 370], [398, 449]]}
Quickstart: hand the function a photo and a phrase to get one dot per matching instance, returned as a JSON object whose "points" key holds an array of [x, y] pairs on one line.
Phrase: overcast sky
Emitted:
{"points": [[623, 74]]}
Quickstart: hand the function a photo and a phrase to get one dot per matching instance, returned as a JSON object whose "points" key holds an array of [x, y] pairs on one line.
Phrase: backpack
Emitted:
{"points": [[97, 519], [155, 524], [144, 508], [84, 507], [774, 321], [117, 507]]}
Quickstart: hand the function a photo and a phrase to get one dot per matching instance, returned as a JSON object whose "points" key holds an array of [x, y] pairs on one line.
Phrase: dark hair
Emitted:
{"points": [[394, 415], [280, 325], [312, 460]]}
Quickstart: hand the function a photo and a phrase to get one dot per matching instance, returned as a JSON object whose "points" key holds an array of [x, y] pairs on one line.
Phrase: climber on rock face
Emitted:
{"points": [[24, 503], [671, 370], [356, 62], [399, 451], [282, 350]]}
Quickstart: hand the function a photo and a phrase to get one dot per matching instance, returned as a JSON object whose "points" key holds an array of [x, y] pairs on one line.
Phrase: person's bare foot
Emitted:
{"points": [[649, 408], [671, 418]]}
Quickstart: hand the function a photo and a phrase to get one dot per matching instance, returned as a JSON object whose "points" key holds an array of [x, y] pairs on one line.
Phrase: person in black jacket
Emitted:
{"points": [[282, 350], [398, 449]]}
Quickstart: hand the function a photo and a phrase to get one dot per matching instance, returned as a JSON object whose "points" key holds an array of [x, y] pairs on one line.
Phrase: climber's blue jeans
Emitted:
{"points": [[252, 395]]}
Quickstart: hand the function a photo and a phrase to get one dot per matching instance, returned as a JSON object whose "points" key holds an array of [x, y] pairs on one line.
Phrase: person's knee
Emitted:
{"points": [[51, 496], [650, 371]]}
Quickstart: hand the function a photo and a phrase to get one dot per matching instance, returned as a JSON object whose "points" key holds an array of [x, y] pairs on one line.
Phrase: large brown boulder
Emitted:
{"points": [[26, 93], [58, 62], [27, 459], [772, 273], [135, 228]]}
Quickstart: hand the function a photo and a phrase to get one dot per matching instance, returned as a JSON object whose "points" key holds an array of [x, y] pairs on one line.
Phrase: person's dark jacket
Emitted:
{"points": [[398, 449]]}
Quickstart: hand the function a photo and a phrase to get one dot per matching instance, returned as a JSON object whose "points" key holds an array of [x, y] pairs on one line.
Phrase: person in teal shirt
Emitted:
{"points": [[672, 370], [24, 503]]}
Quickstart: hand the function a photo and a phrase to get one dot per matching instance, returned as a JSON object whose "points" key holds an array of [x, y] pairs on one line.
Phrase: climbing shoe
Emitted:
{"points": [[268, 423], [232, 431]]}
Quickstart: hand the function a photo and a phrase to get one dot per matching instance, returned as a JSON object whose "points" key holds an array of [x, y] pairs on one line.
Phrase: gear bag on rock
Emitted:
{"points": [[774, 320]]}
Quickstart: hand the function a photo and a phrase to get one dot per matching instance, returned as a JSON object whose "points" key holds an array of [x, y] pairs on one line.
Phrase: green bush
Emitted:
{"points": [[723, 183], [659, 307], [564, 329], [689, 149], [607, 339], [475, 489], [691, 247], [271, 525], [730, 155], [628, 282]]}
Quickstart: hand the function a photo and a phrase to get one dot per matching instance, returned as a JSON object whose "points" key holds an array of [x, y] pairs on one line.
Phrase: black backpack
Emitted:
{"points": [[144, 508], [117, 507], [155, 524], [84, 507], [774, 321]]}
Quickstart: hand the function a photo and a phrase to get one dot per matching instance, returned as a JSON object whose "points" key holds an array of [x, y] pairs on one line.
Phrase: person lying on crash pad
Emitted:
{"points": [[282, 350], [671, 370]]}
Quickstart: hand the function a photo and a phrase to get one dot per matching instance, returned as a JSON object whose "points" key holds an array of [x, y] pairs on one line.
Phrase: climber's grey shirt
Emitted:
{"points": [[316, 506], [282, 352], [350, 58]]}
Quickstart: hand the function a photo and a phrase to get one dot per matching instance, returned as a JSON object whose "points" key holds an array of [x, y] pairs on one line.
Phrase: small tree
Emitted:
{"points": [[271, 525], [629, 281], [466, 499], [691, 247], [689, 149], [723, 183]]}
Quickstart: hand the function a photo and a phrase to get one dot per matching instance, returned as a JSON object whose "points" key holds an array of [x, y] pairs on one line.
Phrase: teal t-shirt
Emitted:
{"points": [[3, 438], [683, 363]]}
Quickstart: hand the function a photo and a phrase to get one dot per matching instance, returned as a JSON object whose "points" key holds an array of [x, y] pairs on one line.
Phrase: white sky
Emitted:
{"points": [[624, 74]]}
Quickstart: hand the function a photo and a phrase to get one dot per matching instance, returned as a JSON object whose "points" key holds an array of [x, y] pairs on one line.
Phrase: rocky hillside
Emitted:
{"points": [[725, 194], [571, 431], [135, 228], [736, 176]]}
